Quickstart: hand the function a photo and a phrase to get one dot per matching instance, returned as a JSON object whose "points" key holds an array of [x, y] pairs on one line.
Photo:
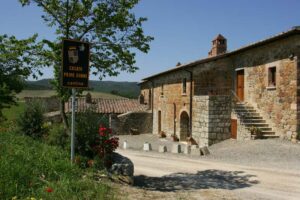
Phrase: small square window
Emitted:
{"points": [[272, 77], [184, 86]]}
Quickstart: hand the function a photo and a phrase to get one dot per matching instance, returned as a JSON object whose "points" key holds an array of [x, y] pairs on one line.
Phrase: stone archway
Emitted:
{"points": [[184, 126]]}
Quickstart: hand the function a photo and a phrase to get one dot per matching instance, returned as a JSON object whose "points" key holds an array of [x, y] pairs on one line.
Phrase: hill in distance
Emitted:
{"points": [[125, 89]]}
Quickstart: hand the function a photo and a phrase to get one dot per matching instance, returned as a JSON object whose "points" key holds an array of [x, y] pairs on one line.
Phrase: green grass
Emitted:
{"points": [[29, 167], [49, 93], [13, 112]]}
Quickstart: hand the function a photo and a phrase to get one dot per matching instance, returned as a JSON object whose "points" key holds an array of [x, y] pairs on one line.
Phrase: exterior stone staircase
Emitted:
{"points": [[249, 117]]}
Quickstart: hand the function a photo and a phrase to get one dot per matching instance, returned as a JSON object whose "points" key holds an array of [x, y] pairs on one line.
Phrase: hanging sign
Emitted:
{"points": [[75, 72]]}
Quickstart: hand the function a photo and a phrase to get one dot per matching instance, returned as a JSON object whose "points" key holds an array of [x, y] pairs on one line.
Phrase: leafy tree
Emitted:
{"points": [[113, 31], [18, 58]]}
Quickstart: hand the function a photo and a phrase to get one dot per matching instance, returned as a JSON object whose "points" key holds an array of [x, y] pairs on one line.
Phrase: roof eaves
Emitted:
{"points": [[294, 30]]}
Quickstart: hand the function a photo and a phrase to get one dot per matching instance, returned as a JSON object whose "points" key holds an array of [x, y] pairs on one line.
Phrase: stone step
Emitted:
{"points": [[243, 106], [254, 121], [265, 129], [248, 125], [270, 136], [251, 117], [244, 114], [244, 109], [270, 132]]}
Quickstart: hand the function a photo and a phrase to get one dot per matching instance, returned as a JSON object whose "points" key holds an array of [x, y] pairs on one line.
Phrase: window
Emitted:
{"points": [[184, 86], [162, 89], [272, 77]]}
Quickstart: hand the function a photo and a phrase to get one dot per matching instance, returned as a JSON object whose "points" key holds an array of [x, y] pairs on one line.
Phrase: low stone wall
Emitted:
{"points": [[139, 122], [211, 119], [51, 103]]}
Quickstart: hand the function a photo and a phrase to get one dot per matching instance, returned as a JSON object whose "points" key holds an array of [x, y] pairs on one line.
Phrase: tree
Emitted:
{"points": [[18, 58], [113, 31]]}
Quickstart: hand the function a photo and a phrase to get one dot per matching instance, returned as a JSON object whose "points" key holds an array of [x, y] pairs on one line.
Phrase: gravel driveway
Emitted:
{"points": [[269, 153]]}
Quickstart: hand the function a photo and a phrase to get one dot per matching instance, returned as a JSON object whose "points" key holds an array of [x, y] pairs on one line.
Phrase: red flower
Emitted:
{"points": [[49, 189]]}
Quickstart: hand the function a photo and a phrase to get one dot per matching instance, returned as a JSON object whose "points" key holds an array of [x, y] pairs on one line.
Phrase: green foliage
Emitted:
{"points": [[29, 168], [113, 31], [87, 125], [18, 58], [58, 136], [256, 131], [31, 121]]}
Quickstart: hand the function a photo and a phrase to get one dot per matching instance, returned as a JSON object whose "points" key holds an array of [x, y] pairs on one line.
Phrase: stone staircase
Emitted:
{"points": [[249, 117]]}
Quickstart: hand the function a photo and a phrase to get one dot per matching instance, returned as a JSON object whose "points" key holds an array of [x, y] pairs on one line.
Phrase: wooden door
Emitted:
{"points": [[159, 122], [233, 128], [240, 85]]}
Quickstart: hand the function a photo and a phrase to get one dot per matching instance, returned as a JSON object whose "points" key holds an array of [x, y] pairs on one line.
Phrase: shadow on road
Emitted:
{"points": [[215, 179]]}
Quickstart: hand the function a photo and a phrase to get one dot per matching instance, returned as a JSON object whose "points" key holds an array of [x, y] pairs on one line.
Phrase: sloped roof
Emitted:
{"points": [[109, 106], [219, 37], [294, 30]]}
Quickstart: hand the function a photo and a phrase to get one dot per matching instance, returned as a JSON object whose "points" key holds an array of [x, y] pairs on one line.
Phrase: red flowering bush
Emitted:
{"points": [[105, 145]]}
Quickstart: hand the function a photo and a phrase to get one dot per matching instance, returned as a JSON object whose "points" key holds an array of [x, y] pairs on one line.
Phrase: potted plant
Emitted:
{"points": [[256, 132], [162, 134], [175, 138]]}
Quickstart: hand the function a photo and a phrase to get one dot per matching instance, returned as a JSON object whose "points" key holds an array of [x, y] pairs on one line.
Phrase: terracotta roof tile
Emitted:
{"points": [[107, 106]]}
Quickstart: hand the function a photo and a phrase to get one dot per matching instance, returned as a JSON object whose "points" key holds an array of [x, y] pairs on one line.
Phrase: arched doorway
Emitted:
{"points": [[184, 126]]}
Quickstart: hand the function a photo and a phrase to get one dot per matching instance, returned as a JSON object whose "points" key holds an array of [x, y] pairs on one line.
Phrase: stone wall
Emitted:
{"points": [[51, 103], [213, 78], [211, 119], [140, 121], [170, 101], [277, 105], [146, 88]]}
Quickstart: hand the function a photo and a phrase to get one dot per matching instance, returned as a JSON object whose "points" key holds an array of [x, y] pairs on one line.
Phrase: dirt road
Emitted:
{"points": [[170, 176]]}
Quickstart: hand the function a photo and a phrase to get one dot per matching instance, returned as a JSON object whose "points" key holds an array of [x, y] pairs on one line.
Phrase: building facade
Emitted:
{"points": [[228, 93]]}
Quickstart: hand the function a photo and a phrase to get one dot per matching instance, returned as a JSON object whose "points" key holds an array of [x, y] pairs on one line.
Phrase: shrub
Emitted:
{"points": [[256, 131], [105, 145], [30, 122], [58, 136], [87, 124], [29, 168]]}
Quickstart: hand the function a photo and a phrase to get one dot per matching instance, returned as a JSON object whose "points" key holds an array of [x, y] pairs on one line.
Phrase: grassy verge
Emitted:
{"points": [[13, 112], [29, 168]]}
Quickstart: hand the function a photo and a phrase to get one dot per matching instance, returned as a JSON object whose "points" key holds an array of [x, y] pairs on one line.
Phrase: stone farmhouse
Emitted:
{"points": [[230, 94]]}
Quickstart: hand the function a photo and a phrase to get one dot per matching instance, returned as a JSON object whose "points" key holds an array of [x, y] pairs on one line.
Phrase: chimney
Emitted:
{"points": [[219, 46]]}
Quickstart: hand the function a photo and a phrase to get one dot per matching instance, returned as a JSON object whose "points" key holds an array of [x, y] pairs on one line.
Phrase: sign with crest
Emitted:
{"points": [[75, 72]]}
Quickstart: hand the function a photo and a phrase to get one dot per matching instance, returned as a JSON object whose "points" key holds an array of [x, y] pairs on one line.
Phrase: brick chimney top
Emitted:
{"points": [[219, 46]]}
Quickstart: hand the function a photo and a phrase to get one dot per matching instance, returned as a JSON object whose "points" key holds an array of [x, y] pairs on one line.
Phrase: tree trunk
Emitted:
{"points": [[63, 114]]}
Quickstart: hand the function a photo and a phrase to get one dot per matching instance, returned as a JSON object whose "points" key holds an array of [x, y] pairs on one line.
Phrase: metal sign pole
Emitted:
{"points": [[73, 125]]}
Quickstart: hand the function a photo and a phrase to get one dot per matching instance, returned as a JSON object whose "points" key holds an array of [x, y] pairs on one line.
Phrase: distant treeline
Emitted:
{"points": [[124, 89]]}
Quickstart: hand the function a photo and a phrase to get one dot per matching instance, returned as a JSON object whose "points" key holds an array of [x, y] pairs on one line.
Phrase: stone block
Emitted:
{"points": [[147, 147], [162, 149], [289, 135], [176, 148], [125, 145], [204, 151], [187, 149]]}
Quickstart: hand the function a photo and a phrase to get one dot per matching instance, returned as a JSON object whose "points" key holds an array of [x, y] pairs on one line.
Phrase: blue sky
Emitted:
{"points": [[183, 29]]}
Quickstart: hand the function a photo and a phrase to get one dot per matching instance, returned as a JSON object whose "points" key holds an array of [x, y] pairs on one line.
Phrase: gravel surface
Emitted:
{"points": [[269, 153], [274, 153]]}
